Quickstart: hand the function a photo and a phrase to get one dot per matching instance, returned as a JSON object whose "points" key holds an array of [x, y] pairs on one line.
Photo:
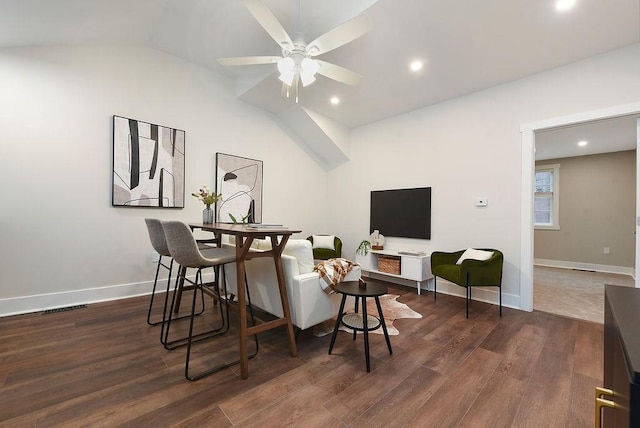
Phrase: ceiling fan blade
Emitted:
{"points": [[341, 35], [269, 22], [249, 60], [338, 73]]}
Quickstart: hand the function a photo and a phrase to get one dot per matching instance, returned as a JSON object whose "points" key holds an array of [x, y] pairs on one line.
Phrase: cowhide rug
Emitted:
{"points": [[391, 309]]}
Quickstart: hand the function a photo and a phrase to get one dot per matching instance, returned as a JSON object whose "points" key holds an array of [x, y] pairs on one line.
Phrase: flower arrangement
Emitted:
{"points": [[207, 196]]}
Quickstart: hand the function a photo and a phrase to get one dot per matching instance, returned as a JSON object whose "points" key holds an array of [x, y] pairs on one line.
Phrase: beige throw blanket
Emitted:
{"points": [[333, 271]]}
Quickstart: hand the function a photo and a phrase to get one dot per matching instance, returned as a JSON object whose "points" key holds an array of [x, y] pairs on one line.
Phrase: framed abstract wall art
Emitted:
{"points": [[148, 165], [239, 180]]}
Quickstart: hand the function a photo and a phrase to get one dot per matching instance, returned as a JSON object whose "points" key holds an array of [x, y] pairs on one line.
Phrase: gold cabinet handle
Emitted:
{"points": [[602, 402]]}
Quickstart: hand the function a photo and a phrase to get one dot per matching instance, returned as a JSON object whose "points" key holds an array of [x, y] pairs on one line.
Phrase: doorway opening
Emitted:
{"points": [[584, 215], [528, 166]]}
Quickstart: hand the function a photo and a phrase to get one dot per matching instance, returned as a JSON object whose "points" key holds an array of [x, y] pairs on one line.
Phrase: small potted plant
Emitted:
{"points": [[363, 248]]}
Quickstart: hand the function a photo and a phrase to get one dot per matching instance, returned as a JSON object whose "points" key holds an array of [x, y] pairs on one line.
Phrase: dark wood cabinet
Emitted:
{"points": [[622, 356]]}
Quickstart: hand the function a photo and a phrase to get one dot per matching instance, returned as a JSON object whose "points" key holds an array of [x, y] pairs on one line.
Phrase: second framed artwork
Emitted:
{"points": [[239, 180]]}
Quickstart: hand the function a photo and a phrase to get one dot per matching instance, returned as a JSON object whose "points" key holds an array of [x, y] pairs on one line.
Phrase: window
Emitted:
{"points": [[546, 198]]}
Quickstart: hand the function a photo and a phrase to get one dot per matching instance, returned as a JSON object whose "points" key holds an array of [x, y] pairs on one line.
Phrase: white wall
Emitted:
{"points": [[59, 233], [469, 148]]}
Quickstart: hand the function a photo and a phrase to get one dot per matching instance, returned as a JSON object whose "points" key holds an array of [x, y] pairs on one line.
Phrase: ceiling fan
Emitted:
{"points": [[297, 63]]}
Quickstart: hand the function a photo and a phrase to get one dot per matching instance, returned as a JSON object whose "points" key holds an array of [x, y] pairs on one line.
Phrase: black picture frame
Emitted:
{"points": [[148, 165], [239, 180]]}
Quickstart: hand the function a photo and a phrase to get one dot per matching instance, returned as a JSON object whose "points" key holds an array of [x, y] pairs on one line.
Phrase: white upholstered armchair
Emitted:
{"points": [[309, 304]]}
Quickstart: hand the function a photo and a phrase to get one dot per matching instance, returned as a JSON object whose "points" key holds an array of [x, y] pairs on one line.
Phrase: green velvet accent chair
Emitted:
{"points": [[470, 273], [326, 253]]}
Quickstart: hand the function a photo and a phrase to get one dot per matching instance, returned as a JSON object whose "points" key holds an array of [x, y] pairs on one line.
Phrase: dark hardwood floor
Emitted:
{"points": [[103, 366]]}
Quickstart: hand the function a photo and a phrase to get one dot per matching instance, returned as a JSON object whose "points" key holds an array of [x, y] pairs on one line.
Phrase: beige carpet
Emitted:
{"points": [[573, 293], [391, 309]]}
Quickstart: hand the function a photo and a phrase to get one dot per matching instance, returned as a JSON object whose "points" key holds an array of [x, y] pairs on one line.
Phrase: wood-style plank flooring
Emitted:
{"points": [[103, 366]]}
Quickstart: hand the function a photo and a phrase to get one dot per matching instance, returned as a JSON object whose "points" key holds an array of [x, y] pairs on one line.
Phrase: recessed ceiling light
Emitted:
{"points": [[416, 65], [335, 101], [562, 5], [582, 143]]}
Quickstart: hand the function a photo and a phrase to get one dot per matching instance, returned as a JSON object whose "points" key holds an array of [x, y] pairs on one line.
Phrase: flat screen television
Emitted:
{"points": [[403, 213]]}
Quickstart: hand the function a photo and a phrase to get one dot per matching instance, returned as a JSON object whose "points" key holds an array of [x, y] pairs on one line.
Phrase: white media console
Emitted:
{"points": [[414, 266]]}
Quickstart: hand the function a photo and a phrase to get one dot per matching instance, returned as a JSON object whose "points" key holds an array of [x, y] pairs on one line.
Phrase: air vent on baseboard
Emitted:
{"points": [[67, 308]]}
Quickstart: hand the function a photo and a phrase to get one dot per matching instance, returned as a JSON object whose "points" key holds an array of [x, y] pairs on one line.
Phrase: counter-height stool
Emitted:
{"points": [[159, 244], [184, 250]]}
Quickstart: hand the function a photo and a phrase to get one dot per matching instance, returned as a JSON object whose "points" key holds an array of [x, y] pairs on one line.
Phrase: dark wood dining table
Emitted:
{"points": [[244, 236]]}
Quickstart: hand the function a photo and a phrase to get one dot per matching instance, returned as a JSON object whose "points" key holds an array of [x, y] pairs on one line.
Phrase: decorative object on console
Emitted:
{"points": [[377, 240], [240, 181], [208, 198], [469, 272], [148, 165], [325, 247]]}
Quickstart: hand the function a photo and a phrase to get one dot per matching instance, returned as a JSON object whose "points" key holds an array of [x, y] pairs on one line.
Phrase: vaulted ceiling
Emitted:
{"points": [[466, 46]]}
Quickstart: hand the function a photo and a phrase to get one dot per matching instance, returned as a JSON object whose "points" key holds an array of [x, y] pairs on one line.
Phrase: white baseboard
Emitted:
{"points": [[42, 302], [622, 270], [481, 294]]}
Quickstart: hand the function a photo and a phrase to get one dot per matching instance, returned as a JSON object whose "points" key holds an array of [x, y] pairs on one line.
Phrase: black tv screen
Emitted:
{"points": [[403, 213]]}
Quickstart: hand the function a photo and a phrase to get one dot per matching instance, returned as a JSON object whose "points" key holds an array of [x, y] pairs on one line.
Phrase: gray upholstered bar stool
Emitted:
{"points": [[184, 250], [159, 244]]}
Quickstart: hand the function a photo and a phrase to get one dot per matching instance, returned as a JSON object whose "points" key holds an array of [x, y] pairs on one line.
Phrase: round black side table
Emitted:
{"points": [[361, 322]]}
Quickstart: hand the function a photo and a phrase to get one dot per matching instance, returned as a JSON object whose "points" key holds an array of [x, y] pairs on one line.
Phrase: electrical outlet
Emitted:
{"points": [[605, 250], [155, 257]]}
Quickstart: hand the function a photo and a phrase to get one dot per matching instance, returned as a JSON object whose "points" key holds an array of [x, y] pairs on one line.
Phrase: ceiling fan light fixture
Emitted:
{"points": [[307, 79], [286, 65], [308, 70], [309, 66], [296, 64], [287, 78]]}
